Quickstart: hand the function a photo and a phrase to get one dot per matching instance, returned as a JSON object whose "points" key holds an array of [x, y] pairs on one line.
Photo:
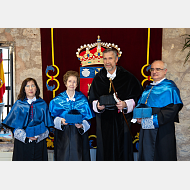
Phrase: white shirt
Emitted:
{"points": [[112, 76], [70, 98], [155, 83], [31, 100]]}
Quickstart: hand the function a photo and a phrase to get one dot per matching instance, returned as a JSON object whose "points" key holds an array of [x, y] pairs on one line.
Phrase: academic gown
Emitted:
{"points": [[70, 143], [30, 151], [114, 141], [19, 118], [159, 144]]}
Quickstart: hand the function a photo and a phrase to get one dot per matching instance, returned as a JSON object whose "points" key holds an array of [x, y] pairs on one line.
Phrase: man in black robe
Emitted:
{"points": [[114, 141], [157, 140]]}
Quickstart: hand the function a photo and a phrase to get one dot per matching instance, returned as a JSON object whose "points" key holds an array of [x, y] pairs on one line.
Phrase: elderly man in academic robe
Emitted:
{"points": [[157, 141]]}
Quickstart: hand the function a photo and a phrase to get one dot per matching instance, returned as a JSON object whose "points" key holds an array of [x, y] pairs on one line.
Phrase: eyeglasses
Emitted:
{"points": [[156, 69], [32, 86]]}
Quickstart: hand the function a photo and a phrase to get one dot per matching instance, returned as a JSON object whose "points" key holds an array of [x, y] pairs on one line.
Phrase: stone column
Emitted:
{"points": [[27, 53], [180, 73]]}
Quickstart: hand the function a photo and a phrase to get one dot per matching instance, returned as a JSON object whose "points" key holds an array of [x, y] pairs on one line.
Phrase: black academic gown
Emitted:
{"points": [[30, 151], [70, 142], [114, 141], [160, 144], [70, 145]]}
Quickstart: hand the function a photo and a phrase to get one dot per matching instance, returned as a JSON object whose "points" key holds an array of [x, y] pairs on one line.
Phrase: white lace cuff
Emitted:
{"points": [[94, 106], [57, 123], [42, 136], [86, 125], [147, 123], [130, 105], [20, 135]]}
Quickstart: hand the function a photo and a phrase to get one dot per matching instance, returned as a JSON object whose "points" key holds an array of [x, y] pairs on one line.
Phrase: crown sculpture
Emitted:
{"points": [[94, 52]]}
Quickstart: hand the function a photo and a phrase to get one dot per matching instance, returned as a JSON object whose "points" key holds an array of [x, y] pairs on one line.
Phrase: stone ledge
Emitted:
{"points": [[6, 147]]}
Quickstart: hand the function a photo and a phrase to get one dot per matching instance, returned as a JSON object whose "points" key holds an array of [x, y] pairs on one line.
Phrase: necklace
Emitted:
{"points": [[148, 95]]}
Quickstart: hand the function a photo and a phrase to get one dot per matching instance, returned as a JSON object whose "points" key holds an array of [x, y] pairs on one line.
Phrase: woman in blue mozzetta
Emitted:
{"points": [[29, 119], [71, 139]]}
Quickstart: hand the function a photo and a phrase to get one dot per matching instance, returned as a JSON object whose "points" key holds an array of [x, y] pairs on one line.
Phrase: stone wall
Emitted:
{"points": [[172, 44], [29, 64], [27, 54]]}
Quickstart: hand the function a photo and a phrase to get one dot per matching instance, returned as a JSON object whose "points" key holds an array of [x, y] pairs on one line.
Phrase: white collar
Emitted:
{"points": [[70, 98], [31, 100], [112, 76], [155, 83]]}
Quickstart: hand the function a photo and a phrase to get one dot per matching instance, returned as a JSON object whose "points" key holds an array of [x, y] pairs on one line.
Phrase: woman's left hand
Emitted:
{"points": [[78, 126]]}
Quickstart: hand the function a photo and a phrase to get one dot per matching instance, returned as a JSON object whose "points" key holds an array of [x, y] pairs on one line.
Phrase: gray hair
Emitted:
{"points": [[110, 50], [165, 64]]}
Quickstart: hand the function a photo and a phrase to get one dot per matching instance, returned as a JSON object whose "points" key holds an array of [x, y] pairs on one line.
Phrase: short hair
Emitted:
{"points": [[110, 50], [165, 64], [22, 94], [70, 73]]}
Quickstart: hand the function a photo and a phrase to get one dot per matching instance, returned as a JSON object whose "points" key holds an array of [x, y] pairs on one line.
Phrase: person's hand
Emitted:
{"points": [[32, 138], [121, 104], [139, 120], [63, 121], [100, 107], [79, 126]]}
